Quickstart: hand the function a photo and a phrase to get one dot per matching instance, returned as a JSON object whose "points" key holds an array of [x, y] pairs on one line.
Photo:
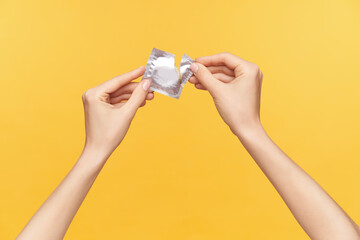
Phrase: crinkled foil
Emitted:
{"points": [[165, 76]]}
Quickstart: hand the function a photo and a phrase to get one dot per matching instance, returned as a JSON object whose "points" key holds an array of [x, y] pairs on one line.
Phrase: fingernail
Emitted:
{"points": [[146, 84], [194, 67]]}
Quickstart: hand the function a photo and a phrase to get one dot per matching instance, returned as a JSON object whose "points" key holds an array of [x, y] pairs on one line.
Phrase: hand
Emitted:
{"points": [[234, 84], [110, 108]]}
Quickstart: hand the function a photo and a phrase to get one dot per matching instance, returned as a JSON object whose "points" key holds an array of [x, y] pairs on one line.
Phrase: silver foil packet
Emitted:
{"points": [[165, 76]]}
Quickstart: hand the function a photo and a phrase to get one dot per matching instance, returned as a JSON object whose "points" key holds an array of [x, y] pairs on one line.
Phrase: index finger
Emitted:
{"points": [[115, 83], [227, 59]]}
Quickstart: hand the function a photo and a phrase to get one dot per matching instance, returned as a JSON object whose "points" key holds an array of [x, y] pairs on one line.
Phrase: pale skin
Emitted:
{"points": [[235, 85], [109, 109]]}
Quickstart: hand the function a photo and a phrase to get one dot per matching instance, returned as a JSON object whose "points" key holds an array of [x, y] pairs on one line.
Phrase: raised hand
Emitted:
{"points": [[234, 84]]}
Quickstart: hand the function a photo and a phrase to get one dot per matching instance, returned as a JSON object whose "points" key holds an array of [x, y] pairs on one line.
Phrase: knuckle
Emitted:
{"points": [[225, 55], [84, 96], [255, 67], [254, 70], [87, 95]]}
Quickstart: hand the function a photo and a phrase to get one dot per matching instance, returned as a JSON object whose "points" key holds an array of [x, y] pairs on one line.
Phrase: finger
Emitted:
{"points": [[199, 86], [143, 104], [221, 69], [128, 88], [193, 80], [205, 77], [121, 98], [227, 59], [220, 76], [150, 96], [114, 84], [138, 96], [119, 105], [223, 77], [126, 96]]}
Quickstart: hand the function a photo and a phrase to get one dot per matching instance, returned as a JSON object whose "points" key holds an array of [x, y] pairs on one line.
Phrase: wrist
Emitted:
{"points": [[251, 130], [91, 155]]}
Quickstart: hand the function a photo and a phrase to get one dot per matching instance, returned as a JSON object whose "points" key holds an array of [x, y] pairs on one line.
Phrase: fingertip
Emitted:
{"points": [[193, 80], [141, 68], [200, 86], [146, 84], [139, 71], [194, 67], [150, 96]]}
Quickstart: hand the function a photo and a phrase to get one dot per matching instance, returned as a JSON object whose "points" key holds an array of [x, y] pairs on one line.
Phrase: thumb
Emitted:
{"points": [[204, 76], [139, 95]]}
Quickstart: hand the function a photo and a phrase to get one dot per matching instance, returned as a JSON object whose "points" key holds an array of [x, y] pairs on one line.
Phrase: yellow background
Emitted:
{"points": [[179, 173]]}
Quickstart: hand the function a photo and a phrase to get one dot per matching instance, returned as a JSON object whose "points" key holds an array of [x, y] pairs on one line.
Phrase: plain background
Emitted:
{"points": [[179, 173]]}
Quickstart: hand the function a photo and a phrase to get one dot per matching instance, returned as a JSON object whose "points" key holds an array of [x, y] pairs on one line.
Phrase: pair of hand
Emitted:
{"points": [[234, 84]]}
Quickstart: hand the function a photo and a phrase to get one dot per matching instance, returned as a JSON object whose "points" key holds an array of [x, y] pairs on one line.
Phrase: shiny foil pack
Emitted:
{"points": [[165, 76]]}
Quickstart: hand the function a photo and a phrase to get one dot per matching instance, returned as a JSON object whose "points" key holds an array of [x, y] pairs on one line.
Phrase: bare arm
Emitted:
{"points": [[109, 109], [317, 213], [53, 218], [235, 86]]}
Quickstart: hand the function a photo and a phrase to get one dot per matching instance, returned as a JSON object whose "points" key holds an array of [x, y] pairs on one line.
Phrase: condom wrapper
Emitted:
{"points": [[165, 76]]}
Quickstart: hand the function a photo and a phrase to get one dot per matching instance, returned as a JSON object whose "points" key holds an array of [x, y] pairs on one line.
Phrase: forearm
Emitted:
{"points": [[317, 213], [53, 218]]}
